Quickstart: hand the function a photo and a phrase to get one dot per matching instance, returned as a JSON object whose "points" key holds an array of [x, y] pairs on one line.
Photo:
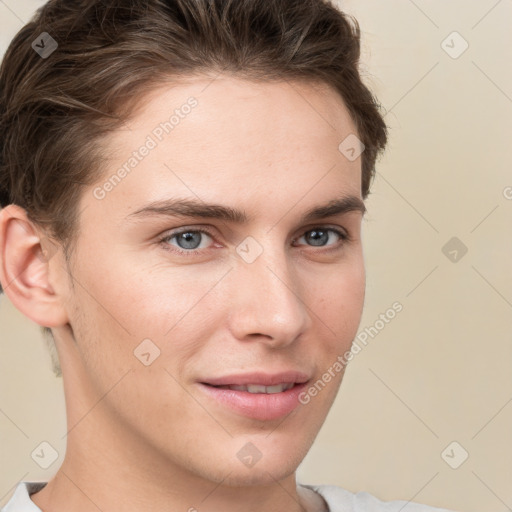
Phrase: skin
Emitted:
{"points": [[146, 437]]}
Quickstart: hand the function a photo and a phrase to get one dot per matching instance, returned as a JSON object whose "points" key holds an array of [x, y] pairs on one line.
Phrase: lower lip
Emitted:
{"points": [[258, 406]]}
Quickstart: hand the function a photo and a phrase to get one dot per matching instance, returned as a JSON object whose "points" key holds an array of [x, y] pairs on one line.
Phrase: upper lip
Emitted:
{"points": [[259, 378]]}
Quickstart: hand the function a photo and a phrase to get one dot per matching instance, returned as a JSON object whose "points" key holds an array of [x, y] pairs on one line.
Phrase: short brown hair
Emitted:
{"points": [[54, 111]]}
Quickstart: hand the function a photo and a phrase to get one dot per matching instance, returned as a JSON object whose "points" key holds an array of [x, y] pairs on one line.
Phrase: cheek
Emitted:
{"points": [[146, 296], [124, 304], [337, 299]]}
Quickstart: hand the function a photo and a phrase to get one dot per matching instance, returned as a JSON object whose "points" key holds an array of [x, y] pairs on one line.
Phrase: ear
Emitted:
{"points": [[24, 269]]}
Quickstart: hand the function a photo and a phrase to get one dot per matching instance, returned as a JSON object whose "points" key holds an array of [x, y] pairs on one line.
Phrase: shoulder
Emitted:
{"points": [[20, 500], [341, 500]]}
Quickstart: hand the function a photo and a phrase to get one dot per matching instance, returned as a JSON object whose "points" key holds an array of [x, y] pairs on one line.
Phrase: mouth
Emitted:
{"points": [[257, 388], [258, 380], [257, 396]]}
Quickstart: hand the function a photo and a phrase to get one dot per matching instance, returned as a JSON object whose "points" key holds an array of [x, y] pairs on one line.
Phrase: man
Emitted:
{"points": [[183, 186]]}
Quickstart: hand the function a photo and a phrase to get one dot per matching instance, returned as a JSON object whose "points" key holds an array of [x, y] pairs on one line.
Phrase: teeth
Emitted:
{"points": [[257, 388], [261, 389], [236, 388], [279, 388]]}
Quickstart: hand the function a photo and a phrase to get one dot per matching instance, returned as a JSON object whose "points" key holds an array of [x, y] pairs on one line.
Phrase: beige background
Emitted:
{"points": [[440, 371]]}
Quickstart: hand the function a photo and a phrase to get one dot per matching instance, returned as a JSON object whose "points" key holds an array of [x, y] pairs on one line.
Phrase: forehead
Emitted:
{"points": [[208, 137], [230, 109]]}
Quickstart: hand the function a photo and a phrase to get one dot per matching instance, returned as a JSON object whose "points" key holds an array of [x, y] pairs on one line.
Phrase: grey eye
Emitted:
{"points": [[189, 239], [317, 236]]}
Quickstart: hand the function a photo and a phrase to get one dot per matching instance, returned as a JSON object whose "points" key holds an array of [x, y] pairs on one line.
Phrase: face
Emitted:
{"points": [[165, 304]]}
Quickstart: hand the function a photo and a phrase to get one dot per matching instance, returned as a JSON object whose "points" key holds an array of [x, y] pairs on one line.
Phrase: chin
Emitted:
{"points": [[258, 475], [277, 460]]}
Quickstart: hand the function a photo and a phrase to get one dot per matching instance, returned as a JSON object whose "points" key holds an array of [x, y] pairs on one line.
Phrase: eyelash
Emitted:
{"points": [[196, 252]]}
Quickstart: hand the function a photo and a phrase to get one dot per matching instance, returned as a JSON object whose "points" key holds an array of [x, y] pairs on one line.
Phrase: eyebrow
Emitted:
{"points": [[194, 208]]}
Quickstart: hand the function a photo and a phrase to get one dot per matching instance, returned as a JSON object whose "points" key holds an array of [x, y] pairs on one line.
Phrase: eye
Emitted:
{"points": [[319, 236], [188, 240]]}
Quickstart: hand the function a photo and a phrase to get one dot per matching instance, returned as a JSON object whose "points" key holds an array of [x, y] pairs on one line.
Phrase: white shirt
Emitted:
{"points": [[338, 500]]}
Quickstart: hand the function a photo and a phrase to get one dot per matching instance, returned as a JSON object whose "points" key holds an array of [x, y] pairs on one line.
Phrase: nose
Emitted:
{"points": [[268, 303]]}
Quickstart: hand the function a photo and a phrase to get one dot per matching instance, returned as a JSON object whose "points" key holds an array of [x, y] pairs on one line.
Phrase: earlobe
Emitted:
{"points": [[24, 269]]}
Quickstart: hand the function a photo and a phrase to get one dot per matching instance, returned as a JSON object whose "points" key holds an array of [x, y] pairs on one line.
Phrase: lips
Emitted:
{"points": [[258, 388], [257, 395], [259, 379]]}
